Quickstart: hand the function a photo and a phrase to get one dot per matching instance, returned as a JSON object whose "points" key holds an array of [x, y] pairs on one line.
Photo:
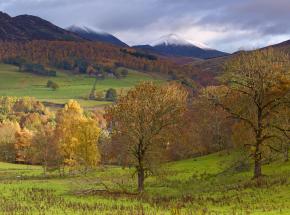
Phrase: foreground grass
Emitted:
{"points": [[195, 186], [19, 84]]}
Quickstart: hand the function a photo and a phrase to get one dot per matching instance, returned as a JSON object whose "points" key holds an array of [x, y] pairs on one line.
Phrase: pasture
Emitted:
{"points": [[194, 186], [72, 86]]}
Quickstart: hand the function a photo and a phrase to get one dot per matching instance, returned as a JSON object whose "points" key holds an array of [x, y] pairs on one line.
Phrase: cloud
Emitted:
{"points": [[224, 24]]}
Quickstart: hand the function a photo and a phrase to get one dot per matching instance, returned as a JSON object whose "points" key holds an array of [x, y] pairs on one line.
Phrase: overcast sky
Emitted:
{"points": [[228, 25]]}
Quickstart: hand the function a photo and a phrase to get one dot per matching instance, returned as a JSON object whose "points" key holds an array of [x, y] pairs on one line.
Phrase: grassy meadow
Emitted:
{"points": [[203, 185], [78, 87], [194, 186]]}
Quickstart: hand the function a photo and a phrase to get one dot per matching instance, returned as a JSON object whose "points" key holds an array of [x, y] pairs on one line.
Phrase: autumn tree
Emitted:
{"points": [[45, 150], [8, 131], [6, 106], [281, 123], [23, 149], [29, 105], [77, 136], [257, 85], [145, 121], [86, 151], [210, 126]]}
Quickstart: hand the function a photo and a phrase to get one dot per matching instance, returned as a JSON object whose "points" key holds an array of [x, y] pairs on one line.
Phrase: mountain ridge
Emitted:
{"points": [[92, 34], [174, 45], [28, 27]]}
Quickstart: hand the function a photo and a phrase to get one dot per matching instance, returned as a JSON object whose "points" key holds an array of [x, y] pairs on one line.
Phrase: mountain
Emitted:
{"points": [[96, 35], [26, 27], [174, 45]]}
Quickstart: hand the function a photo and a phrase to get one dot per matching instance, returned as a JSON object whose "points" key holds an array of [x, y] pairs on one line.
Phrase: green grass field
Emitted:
{"points": [[19, 84], [195, 186]]}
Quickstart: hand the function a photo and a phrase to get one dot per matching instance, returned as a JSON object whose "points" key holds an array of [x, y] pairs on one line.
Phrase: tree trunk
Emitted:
{"points": [[259, 141], [258, 161], [44, 169], [141, 177], [286, 154], [140, 166], [258, 168]]}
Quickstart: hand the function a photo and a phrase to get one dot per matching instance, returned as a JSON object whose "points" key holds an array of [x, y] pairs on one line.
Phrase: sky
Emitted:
{"points": [[227, 25]]}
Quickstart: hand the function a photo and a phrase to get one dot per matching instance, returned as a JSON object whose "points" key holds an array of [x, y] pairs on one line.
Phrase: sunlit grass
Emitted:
{"points": [[72, 86], [194, 186]]}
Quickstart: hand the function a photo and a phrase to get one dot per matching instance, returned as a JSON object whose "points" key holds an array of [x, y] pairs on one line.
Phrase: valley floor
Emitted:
{"points": [[194, 186]]}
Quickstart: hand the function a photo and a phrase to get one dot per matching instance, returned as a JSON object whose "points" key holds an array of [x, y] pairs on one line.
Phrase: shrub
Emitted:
{"points": [[117, 74], [124, 72], [111, 95], [52, 85]]}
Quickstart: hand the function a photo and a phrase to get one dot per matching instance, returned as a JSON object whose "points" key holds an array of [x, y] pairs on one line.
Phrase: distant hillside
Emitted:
{"points": [[26, 27], [214, 67], [174, 45], [284, 46], [94, 35]]}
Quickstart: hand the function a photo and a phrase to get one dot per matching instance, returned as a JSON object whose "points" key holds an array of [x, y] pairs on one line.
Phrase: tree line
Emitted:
{"points": [[25, 66]]}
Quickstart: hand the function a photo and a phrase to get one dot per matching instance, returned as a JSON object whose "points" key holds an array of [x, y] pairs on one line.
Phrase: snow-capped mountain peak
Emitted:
{"points": [[176, 40], [87, 29], [94, 34], [171, 39]]}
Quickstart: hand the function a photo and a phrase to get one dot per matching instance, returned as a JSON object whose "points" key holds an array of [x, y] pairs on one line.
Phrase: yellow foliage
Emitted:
{"points": [[77, 136]]}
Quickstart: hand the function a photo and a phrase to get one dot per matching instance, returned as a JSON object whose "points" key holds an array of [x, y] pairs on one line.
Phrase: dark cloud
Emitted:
{"points": [[265, 16], [223, 24]]}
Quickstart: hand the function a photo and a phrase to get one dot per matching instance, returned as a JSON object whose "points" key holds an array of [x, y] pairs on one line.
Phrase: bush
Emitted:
{"points": [[124, 72], [52, 85], [117, 74], [100, 96], [111, 95]]}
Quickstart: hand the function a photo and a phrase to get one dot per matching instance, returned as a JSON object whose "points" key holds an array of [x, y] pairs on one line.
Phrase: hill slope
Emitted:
{"points": [[26, 27], [78, 87], [215, 66]]}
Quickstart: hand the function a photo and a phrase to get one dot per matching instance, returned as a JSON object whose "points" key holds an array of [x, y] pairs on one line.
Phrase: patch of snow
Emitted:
{"points": [[200, 45], [175, 40], [171, 39], [87, 29]]}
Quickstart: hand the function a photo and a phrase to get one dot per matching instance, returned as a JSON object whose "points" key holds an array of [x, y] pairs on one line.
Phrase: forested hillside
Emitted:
{"points": [[64, 54]]}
